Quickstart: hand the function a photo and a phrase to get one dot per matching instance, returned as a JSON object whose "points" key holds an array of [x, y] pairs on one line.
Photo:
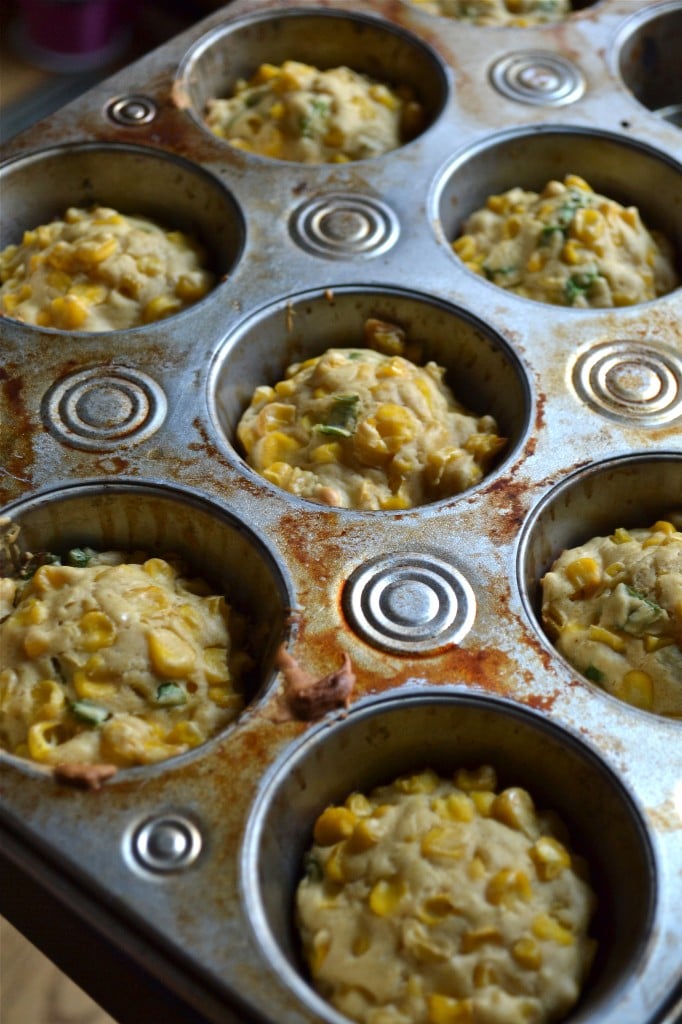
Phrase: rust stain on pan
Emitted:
{"points": [[16, 447]]}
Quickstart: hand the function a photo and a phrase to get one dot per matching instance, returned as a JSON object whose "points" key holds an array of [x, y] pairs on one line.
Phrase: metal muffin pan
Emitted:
{"points": [[131, 436]]}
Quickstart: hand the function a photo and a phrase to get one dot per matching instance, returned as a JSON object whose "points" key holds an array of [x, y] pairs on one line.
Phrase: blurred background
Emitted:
{"points": [[51, 51]]}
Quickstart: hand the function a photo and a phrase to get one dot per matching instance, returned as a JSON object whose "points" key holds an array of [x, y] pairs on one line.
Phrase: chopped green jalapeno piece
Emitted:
{"points": [[171, 695], [79, 557], [342, 417], [89, 712], [595, 674]]}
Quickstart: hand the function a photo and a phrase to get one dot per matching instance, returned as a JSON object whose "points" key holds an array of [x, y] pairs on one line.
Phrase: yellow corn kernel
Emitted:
{"points": [[191, 288], [436, 908], [36, 643], [422, 782], [614, 568], [484, 975], [385, 896], [327, 454], [572, 253], [447, 1010], [334, 137], [663, 526], [225, 698], [62, 256], [334, 868], [508, 885], [187, 733], [655, 643], [94, 251], [275, 144], [395, 501], [575, 181], [483, 801], [291, 76], [89, 293], [51, 577], [31, 612], [620, 536], [527, 954], [535, 262], [465, 247], [443, 841], [546, 927], [585, 575], [170, 655], [550, 857], [477, 870], [514, 807], [472, 941], [637, 688], [44, 318], [605, 636], [457, 806], [481, 778], [215, 665], [266, 72], [631, 216], [654, 541], [277, 110], [58, 280], [498, 204], [88, 689], [383, 95], [161, 306], [97, 630], [68, 312], [511, 227], [588, 225], [42, 739], [48, 699], [365, 835], [360, 945], [358, 804], [276, 447], [333, 825]]}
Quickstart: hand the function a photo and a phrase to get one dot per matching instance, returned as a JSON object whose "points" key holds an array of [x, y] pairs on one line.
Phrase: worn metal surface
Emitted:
{"points": [[128, 436]]}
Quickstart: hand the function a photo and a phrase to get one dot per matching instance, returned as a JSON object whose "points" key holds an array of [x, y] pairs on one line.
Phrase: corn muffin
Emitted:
{"points": [[568, 246], [297, 112], [499, 12], [99, 270], [367, 429], [613, 607], [115, 657], [435, 900]]}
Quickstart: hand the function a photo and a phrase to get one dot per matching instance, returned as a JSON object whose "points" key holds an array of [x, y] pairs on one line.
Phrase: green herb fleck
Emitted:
{"points": [[34, 563], [312, 867], [595, 674], [79, 557], [578, 284]]}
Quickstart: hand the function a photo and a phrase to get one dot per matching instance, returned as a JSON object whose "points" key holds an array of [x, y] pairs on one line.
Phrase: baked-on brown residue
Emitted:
{"points": [[84, 776], [309, 698]]}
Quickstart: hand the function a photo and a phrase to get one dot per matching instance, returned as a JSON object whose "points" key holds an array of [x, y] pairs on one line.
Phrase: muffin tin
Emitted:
{"points": [[128, 439]]}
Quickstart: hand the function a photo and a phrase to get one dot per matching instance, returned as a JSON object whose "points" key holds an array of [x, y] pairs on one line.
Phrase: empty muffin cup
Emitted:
{"points": [[648, 59], [384, 739]]}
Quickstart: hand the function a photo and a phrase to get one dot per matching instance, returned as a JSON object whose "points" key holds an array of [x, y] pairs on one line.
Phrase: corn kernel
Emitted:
{"points": [[637, 688], [620, 536], [472, 941], [385, 896], [191, 288], [443, 841], [546, 927], [68, 312], [447, 1010], [36, 643], [422, 782], [535, 263], [215, 665], [508, 885], [514, 807], [605, 636], [276, 447], [360, 945], [575, 181], [187, 733], [457, 806], [161, 306], [655, 643], [327, 454], [436, 908], [97, 630], [334, 866], [585, 575], [465, 247], [48, 699], [333, 825], [663, 526], [573, 254], [481, 778], [527, 954], [484, 975], [170, 655], [365, 835], [550, 857], [476, 870], [42, 739], [483, 800], [88, 689], [498, 204]]}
